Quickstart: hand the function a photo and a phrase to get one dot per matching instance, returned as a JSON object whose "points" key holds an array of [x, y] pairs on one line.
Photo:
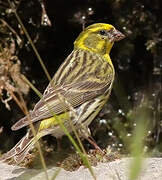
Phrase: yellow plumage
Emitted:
{"points": [[77, 92], [53, 121]]}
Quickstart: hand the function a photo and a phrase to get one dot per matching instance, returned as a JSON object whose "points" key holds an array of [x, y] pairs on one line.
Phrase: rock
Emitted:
{"points": [[119, 169]]}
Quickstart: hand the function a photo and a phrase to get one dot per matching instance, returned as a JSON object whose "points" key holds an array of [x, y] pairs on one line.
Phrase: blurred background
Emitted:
{"points": [[53, 27]]}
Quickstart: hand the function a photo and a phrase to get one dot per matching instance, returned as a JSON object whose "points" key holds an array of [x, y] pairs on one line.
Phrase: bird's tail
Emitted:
{"points": [[20, 150]]}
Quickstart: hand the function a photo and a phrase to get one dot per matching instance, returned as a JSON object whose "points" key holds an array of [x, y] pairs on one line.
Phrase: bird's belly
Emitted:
{"points": [[88, 111]]}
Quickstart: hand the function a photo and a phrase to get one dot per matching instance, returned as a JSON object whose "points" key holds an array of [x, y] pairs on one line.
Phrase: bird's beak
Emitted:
{"points": [[117, 35]]}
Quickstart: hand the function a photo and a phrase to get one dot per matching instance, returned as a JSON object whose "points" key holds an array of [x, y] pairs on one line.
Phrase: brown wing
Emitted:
{"points": [[85, 86]]}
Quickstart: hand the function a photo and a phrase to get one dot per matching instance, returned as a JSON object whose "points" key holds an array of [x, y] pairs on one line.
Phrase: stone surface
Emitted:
{"points": [[117, 170]]}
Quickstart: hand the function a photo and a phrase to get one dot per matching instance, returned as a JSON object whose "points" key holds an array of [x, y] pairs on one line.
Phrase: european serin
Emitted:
{"points": [[83, 82]]}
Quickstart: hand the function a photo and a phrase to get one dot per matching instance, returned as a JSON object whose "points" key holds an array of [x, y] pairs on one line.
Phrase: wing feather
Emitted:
{"points": [[76, 91]]}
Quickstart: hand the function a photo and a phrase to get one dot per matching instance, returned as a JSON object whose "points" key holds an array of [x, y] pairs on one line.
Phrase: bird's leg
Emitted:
{"points": [[85, 133], [93, 142], [58, 144]]}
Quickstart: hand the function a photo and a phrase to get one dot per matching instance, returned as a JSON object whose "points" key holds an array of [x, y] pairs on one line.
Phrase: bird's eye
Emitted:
{"points": [[103, 32]]}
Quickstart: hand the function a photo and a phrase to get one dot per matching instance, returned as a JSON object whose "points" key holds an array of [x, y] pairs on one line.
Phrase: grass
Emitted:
{"points": [[79, 148]]}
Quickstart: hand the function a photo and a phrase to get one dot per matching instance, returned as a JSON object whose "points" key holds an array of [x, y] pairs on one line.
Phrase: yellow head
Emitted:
{"points": [[98, 38]]}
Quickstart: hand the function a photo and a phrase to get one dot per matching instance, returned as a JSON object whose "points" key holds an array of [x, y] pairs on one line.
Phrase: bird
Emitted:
{"points": [[77, 92]]}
